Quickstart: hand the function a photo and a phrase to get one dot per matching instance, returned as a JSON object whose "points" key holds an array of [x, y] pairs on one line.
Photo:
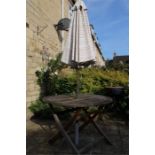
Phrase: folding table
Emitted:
{"points": [[78, 105]]}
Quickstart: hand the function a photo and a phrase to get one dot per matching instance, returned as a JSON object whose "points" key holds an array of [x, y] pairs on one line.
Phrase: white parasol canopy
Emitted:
{"points": [[79, 48]]}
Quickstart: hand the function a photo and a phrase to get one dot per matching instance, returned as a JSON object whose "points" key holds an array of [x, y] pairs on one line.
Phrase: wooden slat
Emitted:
{"points": [[98, 128], [63, 132], [84, 100], [66, 127]]}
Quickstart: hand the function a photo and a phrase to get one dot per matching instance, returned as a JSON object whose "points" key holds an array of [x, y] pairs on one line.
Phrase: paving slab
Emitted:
{"points": [[38, 134]]}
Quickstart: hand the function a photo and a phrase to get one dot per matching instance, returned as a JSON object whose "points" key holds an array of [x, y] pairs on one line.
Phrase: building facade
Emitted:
{"points": [[43, 41], [100, 61]]}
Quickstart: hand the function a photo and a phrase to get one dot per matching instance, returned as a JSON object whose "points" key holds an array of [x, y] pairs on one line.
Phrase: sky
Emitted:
{"points": [[110, 19]]}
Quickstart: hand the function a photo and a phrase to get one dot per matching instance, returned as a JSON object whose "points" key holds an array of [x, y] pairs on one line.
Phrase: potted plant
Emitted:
{"points": [[114, 90]]}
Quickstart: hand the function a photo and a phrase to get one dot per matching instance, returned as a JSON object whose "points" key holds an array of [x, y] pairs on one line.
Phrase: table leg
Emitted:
{"points": [[63, 132], [91, 119], [77, 133], [66, 127], [87, 122], [101, 132]]}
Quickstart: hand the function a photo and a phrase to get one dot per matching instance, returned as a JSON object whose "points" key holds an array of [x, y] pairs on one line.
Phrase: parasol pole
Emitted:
{"points": [[77, 81]]}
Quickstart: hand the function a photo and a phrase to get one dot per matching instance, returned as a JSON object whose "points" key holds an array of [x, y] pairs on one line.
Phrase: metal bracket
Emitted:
{"points": [[41, 28]]}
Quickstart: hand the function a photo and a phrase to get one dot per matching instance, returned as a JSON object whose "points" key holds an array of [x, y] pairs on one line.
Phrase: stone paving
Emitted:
{"points": [[39, 132]]}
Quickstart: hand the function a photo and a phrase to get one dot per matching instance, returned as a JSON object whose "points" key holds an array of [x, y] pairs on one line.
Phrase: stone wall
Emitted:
{"points": [[41, 37], [100, 62]]}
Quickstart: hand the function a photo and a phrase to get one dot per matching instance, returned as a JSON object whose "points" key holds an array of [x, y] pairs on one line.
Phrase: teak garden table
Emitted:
{"points": [[82, 103]]}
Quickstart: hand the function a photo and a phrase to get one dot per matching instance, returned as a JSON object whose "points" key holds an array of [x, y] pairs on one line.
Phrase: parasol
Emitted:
{"points": [[79, 48]]}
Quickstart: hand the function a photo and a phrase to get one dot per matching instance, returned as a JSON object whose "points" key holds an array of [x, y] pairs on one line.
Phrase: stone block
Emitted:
{"points": [[39, 14]]}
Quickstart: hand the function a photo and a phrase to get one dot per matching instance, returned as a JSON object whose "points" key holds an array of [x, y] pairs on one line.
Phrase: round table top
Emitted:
{"points": [[83, 100]]}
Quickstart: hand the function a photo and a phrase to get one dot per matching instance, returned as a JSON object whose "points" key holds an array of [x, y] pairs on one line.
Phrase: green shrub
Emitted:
{"points": [[48, 77], [65, 85], [40, 109], [95, 80], [92, 80]]}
